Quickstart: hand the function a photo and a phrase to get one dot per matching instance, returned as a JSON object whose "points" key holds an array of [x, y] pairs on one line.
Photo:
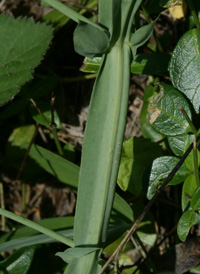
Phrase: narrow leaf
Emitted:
{"points": [[36, 226], [62, 169], [142, 35], [185, 66]]}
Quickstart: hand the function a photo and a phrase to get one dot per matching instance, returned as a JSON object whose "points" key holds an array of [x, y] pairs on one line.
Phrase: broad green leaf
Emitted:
{"points": [[20, 137], [18, 262], [90, 41], [147, 130], [91, 65], [164, 112], [177, 143], [150, 64], [185, 65], [195, 202], [188, 190], [161, 167], [146, 232], [184, 224], [45, 109], [137, 155], [23, 44]]}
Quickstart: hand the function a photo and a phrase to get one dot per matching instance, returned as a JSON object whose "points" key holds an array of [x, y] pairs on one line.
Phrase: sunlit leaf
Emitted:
{"points": [[164, 112], [185, 66]]}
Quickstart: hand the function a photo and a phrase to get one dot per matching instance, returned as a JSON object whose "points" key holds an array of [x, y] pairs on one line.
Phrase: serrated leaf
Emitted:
{"points": [[184, 224], [150, 64], [195, 202], [90, 41], [161, 167], [188, 190], [23, 44], [164, 112], [185, 66]]}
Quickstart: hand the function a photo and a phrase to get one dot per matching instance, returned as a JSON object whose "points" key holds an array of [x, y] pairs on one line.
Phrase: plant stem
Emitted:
{"points": [[3, 219], [193, 12], [52, 128], [40, 228], [79, 78], [195, 158], [149, 205], [193, 129], [57, 142]]}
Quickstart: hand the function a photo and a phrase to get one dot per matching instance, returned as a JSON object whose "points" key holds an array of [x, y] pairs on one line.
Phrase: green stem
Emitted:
{"points": [[3, 219], [57, 142], [193, 12], [195, 158], [40, 228], [192, 127], [51, 128]]}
